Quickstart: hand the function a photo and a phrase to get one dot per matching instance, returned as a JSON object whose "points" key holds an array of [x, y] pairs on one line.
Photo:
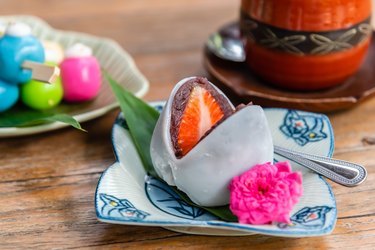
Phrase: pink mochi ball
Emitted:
{"points": [[81, 78]]}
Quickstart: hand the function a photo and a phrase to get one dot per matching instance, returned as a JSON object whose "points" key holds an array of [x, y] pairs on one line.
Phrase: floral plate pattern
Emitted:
{"points": [[126, 195]]}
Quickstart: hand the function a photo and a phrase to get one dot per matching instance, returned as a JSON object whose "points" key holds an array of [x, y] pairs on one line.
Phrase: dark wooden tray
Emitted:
{"points": [[241, 85]]}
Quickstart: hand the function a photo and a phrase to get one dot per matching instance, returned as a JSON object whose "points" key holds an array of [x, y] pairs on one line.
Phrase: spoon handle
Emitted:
{"points": [[342, 172]]}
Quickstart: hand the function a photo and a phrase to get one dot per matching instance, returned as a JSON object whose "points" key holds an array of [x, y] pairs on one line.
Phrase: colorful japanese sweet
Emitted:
{"points": [[201, 141], [16, 46], [80, 73], [80, 70], [41, 96], [54, 52], [9, 94]]}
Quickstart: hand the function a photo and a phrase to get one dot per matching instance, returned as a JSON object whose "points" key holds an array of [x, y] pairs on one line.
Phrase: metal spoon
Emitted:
{"points": [[226, 44], [342, 172]]}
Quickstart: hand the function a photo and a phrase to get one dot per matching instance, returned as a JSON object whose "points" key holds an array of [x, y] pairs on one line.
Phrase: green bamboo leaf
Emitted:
{"points": [[21, 116], [65, 119], [141, 120]]}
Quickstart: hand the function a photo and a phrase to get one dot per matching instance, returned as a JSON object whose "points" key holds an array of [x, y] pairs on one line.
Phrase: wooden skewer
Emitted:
{"points": [[42, 72]]}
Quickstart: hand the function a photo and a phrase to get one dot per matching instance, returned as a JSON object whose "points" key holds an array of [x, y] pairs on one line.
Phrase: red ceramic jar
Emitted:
{"points": [[305, 44]]}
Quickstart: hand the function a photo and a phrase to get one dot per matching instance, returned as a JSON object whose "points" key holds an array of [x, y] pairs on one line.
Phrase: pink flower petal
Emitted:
{"points": [[284, 167], [266, 193]]}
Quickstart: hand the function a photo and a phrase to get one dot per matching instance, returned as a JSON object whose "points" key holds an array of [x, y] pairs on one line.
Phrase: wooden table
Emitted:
{"points": [[48, 181]]}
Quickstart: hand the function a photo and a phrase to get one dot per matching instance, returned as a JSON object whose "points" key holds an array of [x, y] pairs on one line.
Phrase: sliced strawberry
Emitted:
{"points": [[197, 109]]}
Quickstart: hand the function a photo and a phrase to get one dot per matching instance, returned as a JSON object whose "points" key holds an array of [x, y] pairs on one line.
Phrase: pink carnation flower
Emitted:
{"points": [[265, 194]]}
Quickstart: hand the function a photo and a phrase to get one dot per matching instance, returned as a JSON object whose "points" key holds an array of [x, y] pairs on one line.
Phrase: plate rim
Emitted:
{"points": [[80, 117], [215, 224]]}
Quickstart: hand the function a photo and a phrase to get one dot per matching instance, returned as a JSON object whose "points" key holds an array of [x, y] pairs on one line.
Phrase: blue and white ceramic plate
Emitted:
{"points": [[125, 195]]}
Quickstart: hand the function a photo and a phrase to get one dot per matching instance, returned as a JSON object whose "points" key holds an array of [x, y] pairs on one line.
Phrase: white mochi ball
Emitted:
{"points": [[239, 143]]}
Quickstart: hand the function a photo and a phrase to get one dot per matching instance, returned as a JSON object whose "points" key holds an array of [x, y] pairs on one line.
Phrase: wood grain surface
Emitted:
{"points": [[47, 181]]}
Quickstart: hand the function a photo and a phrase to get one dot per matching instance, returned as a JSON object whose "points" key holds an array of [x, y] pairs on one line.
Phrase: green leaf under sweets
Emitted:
{"points": [[65, 119], [141, 120], [23, 117]]}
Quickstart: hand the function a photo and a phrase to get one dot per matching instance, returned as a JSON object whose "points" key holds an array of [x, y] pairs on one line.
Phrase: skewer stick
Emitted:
{"points": [[42, 72]]}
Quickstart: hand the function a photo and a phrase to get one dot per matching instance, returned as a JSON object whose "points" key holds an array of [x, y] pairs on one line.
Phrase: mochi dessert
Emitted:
{"points": [[201, 141]]}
